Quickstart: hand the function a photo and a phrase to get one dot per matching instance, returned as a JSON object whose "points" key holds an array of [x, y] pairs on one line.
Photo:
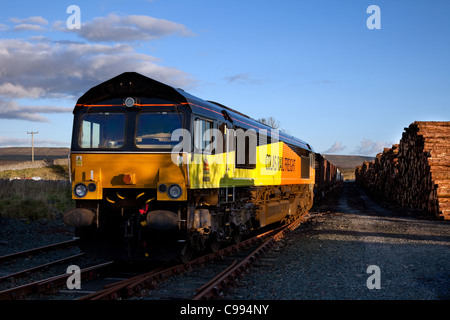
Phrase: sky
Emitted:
{"points": [[346, 79]]}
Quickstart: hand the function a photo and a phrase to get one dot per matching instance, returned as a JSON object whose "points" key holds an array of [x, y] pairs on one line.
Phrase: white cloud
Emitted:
{"points": [[243, 78], [335, 148], [368, 147], [44, 69], [29, 24], [17, 91], [114, 28], [41, 68], [28, 27], [12, 110], [34, 20]]}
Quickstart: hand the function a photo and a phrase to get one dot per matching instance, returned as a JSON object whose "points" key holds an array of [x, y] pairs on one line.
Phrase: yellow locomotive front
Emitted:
{"points": [[129, 192]]}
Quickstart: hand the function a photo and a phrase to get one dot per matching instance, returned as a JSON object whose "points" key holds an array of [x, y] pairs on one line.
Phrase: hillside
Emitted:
{"points": [[347, 164], [344, 162], [20, 154]]}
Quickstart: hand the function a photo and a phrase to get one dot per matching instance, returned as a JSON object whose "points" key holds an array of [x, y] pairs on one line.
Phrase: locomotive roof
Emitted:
{"points": [[135, 84]]}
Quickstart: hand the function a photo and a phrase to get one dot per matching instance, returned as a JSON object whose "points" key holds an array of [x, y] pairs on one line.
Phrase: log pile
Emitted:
{"points": [[414, 173]]}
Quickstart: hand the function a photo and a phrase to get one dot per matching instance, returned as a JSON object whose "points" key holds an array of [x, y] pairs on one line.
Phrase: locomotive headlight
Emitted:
{"points": [[129, 102], [174, 191], [80, 190]]}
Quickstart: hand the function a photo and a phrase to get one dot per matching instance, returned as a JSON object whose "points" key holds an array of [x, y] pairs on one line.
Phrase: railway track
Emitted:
{"points": [[230, 274], [50, 285], [32, 271], [34, 251], [202, 278]]}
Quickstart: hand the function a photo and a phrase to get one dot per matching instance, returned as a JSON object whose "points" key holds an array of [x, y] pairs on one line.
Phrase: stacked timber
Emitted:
{"points": [[416, 172]]}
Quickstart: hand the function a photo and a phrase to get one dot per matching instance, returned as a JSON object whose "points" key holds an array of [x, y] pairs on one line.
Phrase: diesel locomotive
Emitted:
{"points": [[157, 172]]}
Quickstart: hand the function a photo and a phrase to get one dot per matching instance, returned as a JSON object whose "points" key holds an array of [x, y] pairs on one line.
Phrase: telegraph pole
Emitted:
{"points": [[32, 143]]}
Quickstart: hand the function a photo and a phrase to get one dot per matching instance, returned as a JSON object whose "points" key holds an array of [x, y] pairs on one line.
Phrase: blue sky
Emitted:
{"points": [[313, 65]]}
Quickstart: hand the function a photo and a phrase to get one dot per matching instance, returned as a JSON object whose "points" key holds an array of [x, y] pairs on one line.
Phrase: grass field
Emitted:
{"points": [[55, 172], [32, 200]]}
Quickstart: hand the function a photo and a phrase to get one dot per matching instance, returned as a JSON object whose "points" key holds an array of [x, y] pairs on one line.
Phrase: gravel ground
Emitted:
{"points": [[328, 257], [19, 235]]}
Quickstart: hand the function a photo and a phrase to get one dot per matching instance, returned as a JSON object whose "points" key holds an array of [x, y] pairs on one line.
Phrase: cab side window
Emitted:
{"points": [[202, 135]]}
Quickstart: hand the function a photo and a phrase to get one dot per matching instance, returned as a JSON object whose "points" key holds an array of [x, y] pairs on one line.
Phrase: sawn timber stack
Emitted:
{"points": [[414, 173]]}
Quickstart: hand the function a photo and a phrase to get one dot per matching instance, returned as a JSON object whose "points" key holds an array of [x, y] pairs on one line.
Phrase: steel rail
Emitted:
{"points": [[36, 250], [42, 266], [137, 284], [50, 283], [113, 290], [229, 275]]}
